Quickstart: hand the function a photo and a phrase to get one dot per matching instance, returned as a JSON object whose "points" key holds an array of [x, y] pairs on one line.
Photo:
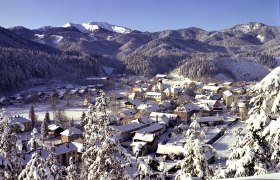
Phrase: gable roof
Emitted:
{"points": [[130, 127], [150, 129], [227, 93], [144, 137], [71, 131], [211, 88], [170, 149]]}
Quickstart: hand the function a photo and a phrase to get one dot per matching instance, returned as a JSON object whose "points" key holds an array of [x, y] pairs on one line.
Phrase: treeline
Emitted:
{"points": [[140, 64], [267, 60], [20, 66], [199, 68]]}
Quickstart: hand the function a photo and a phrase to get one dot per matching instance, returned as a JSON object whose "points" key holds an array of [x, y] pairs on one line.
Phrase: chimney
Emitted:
{"points": [[156, 118]]}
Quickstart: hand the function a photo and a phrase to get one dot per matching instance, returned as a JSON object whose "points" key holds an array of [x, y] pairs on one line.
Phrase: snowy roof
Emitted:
{"points": [[153, 94], [170, 149], [20, 120], [212, 88], [71, 131], [159, 114], [191, 107], [209, 119], [130, 127], [144, 137], [210, 102], [65, 148], [96, 78], [201, 96], [137, 144], [146, 120], [148, 107], [79, 146], [131, 96], [2, 99], [129, 111], [160, 75], [241, 104], [227, 83], [53, 127], [227, 93], [134, 102], [150, 129], [73, 91]]}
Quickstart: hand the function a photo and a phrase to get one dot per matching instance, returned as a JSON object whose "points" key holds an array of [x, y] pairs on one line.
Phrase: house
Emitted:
{"points": [[186, 110], [70, 134], [144, 143], [170, 151], [161, 76], [126, 131], [132, 103], [242, 107], [177, 152], [165, 119], [157, 96], [97, 80], [211, 120], [149, 107], [228, 98], [25, 122], [216, 90], [156, 129], [4, 101], [227, 84], [54, 130], [173, 91], [208, 104], [61, 94], [240, 90]]}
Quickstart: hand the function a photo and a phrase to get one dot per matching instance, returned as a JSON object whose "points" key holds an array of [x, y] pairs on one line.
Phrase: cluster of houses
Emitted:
{"points": [[67, 143], [153, 110]]}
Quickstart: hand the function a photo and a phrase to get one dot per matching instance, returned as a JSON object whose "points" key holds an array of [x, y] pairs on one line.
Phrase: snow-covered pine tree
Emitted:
{"points": [[258, 151], [103, 156], [34, 170], [195, 163], [72, 170], [10, 149], [44, 129], [54, 168], [32, 116]]}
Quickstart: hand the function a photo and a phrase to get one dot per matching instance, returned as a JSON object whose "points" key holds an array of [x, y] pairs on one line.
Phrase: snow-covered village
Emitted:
{"points": [[138, 128], [140, 90]]}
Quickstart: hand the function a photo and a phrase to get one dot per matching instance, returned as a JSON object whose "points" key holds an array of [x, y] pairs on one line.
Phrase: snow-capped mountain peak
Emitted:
{"points": [[90, 27]]}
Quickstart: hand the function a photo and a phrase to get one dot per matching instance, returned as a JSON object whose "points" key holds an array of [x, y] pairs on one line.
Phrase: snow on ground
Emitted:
{"points": [[223, 144], [245, 69], [178, 80], [56, 39], [260, 37], [74, 112]]}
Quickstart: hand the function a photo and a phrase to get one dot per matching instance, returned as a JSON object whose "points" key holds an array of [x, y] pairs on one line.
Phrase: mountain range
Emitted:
{"points": [[149, 53]]}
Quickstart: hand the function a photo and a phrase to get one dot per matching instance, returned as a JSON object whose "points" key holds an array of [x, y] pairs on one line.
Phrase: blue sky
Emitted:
{"points": [[144, 15]]}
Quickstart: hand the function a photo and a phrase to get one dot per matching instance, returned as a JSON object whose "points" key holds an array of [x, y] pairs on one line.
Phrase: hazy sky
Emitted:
{"points": [[144, 15]]}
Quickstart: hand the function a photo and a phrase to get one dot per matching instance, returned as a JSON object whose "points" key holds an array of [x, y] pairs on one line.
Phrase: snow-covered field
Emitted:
{"points": [[74, 112], [245, 69], [223, 144]]}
